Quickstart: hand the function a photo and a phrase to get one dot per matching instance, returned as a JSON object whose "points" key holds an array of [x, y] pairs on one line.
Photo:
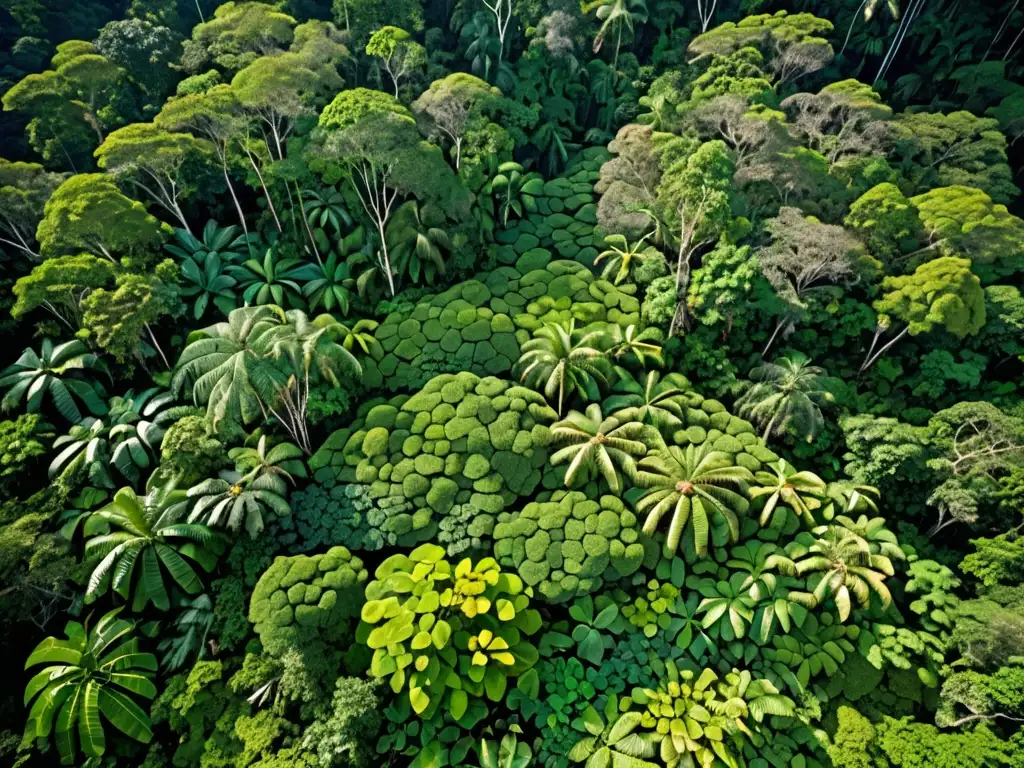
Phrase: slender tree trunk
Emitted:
{"points": [[159, 349], [778, 327], [266, 192], [458, 152], [234, 197], [871, 360]]}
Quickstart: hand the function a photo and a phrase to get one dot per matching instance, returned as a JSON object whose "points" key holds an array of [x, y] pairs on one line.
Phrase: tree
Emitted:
{"points": [[24, 190], [235, 499], [214, 114], [33, 376], [978, 444], [217, 365], [807, 257], [278, 90], [964, 222], [560, 361], [786, 398], [844, 566], [844, 120], [886, 221], [614, 15], [238, 33], [955, 149], [629, 180], [146, 531], [152, 159], [502, 10], [91, 80], [60, 285], [88, 213], [693, 195], [941, 294], [769, 32], [598, 445], [452, 102], [146, 51], [361, 17], [691, 485], [622, 254], [797, 490], [84, 680], [120, 321], [400, 54]]}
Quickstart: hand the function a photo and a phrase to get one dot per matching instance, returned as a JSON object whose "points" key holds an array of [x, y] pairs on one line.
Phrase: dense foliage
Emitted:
{"points": [[511, 383]]}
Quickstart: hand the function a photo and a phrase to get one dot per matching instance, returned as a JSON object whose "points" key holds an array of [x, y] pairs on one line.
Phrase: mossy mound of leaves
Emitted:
{"points": [[306, 595], [571, 545], [479, 325], [566, 215], [462, 439]]}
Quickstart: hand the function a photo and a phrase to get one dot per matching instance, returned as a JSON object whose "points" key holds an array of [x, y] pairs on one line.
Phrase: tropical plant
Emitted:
{"points": [[509, 753], [621, 255], [273, 280], [331, 287], [87, 679], [798, 490], [615, 15], [128, 438], [515, 190], [558, 360], [842, 566], [417, 241], [658, 401], [146, 532], [209, 281], [244, 496], [446, 633], [219, 361], [225, 243], [326, 207], [873, 534], [597, 445], [191, 628], [52, 372], [786, 398], [631, 345], [284, 459], [690, 483], [611, 739]]}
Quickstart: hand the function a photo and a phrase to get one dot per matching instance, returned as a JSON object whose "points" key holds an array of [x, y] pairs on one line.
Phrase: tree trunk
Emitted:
{"points": [[234, 197]]}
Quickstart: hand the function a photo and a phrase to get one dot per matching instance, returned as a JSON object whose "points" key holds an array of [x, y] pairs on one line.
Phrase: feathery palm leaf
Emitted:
{"points": [[559, 361], [51, 372], [798, 490], [691, 486], [597, 445], [786, 398]]}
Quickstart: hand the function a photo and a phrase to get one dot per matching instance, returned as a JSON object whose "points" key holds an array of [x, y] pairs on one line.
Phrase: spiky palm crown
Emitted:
{"points": [[693, 484], [787, 397], [657, 401], [559, 362], [597, 443]]}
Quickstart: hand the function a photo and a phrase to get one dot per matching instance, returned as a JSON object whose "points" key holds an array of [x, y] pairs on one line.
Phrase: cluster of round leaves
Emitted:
{"points": [[460, 440], [480, 325], [306, 596], [447, 634], [571, 545]]}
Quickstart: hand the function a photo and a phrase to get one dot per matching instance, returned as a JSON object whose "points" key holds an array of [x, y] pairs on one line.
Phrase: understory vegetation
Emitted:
{"points": [[511, 383]]}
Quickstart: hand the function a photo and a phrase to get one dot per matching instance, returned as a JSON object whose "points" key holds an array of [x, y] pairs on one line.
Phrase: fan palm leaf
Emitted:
{"points": [[597, 445]]}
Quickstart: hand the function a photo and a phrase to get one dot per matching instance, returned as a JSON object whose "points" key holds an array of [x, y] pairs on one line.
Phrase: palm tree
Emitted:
{"points": [[558, 360], [358, 335], [217, 362], [88, 675], [632, 345], [691, 484], [845, 566], [146, 531], [417, 242], [616, 14], [331, 286], [798, 490], [872, 533], [599, 444], [621, 254], [787, 397], [233, 499], [660, 402], [515, 190], [32, 376], [305, 351]]}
